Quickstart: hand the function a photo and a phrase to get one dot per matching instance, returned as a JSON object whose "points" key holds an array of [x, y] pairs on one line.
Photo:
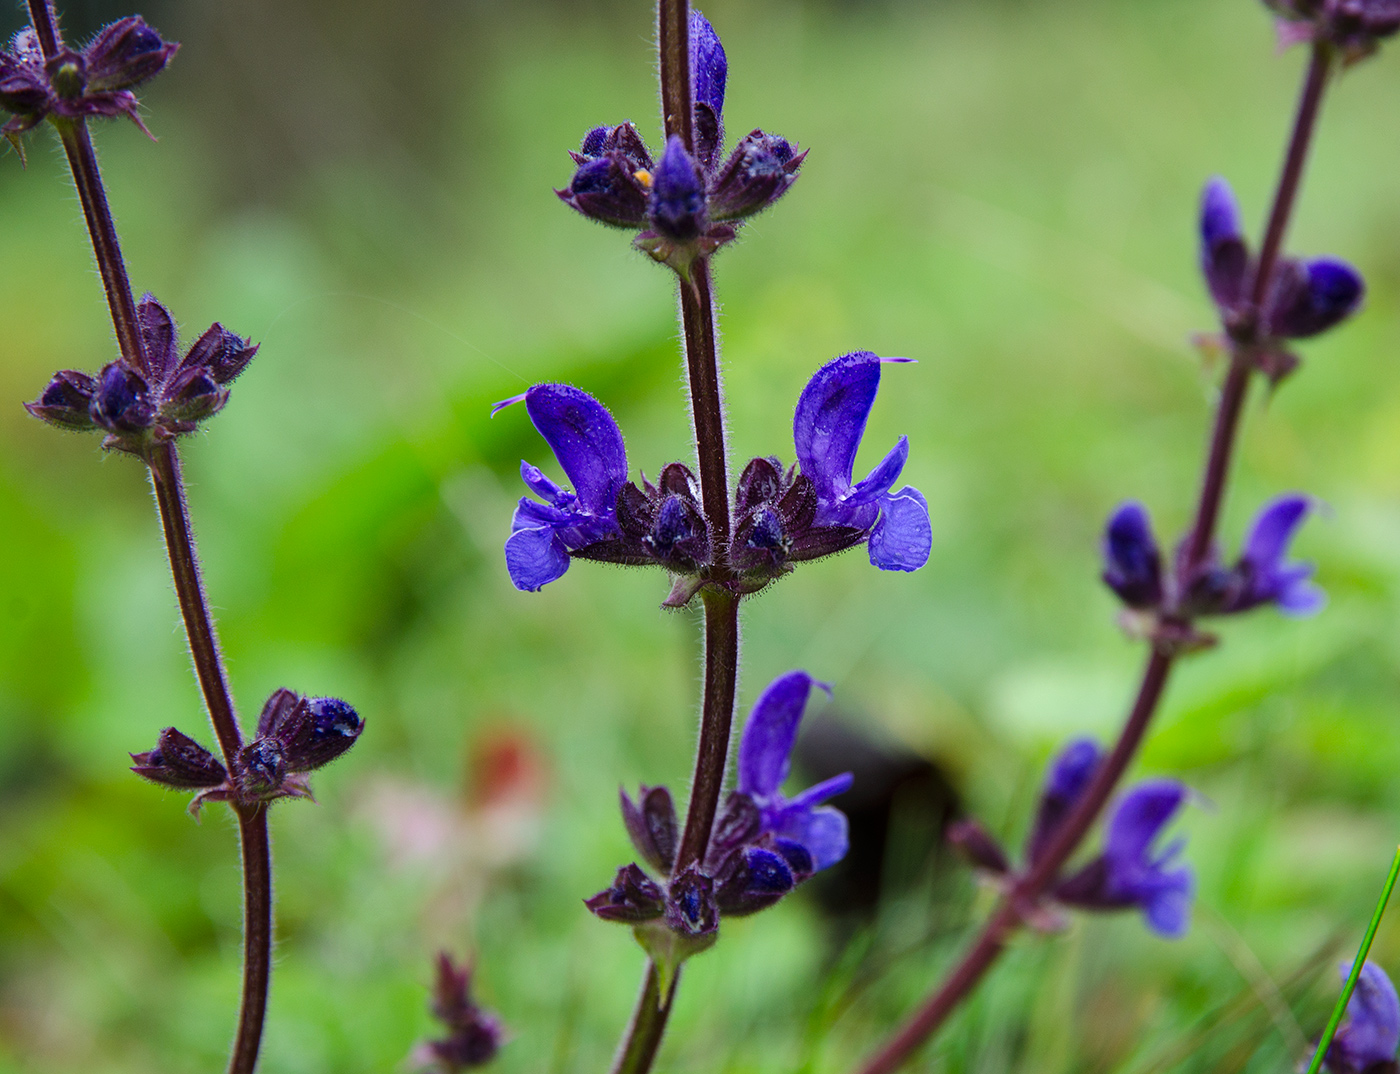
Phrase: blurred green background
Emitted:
{"points": [[1003, 189]]}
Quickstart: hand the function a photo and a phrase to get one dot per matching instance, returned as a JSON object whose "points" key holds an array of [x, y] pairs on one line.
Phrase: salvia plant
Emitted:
{"points": [[739, 846]]}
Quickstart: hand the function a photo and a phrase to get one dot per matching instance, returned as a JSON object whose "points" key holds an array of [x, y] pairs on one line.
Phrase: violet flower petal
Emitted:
{"points": [[830, 420], [676, 206], [903, 537], [882, 478], [1328, 292], [1224, 255], [534, 558], [1065, 783], [769, 734], [709, 69], [585, 440], [824, 832]]}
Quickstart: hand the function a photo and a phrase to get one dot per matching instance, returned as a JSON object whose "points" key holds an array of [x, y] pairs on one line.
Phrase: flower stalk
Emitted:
{"points": [[163, 461], [1245, 339]]}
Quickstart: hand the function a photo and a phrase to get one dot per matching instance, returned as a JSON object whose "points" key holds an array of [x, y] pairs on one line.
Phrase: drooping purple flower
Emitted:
{"points": [[1305, 298], [765, 752], [1132, 562], [1129, 872], [827, 429], [1263, 576], [1367, 1040], [688, 202], [588, 445]]}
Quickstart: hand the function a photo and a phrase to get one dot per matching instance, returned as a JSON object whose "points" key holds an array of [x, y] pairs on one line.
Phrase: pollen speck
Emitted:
{"points": [[643, 176]]}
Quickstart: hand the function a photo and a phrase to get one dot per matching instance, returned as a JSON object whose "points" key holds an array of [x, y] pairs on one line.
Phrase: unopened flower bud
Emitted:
{"points": [[179, 761], [124, 54]]}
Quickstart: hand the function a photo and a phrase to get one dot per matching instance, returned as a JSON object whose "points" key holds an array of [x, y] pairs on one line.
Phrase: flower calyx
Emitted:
{"points": [[296, 735], [168, 396], [1355, 28], [96, 80]]}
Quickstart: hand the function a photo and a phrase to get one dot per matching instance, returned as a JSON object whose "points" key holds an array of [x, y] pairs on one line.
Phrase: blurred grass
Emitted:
{"points": [[1003, 190]]}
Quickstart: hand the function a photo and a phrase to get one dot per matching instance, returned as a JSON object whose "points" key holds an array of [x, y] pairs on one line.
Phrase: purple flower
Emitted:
{"points": [[588, 445], [94, 82], [687, 203], [1368, 1038], [606, 518], [1132, 563], [765, 752], [1128, 873], [1262, 574], [1305, 298]]}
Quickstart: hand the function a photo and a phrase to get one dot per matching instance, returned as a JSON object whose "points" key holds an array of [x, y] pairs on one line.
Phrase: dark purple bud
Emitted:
{"points": [[124, 54], [760, 483], [179, 761], [1067, 780], [976, 844], [67, 401], [158, 337], [757, 174], [709, 69], [798, 858], [24, 89], [474, 1035], [652, 825], [1224, 255], [123, 400], [690, 904], [262, 768], [592, 144], [679, 535], [191, 397], [1370, 1034], [1132, 562], [738, 823], [606, 189], [222, 353], [750, 880], [1310, 297], [335, 727], [708, 72], [634, 897], [676, 207]]}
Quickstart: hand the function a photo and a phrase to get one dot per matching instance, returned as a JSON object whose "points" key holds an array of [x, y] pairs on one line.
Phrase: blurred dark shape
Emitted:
{"points": [[474, 1035], [898, 807]]}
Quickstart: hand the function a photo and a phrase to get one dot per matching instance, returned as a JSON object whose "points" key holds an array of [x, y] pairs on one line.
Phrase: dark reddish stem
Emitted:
{"points": [[643, 1037], [83, 162], [1031, 887], [164, 464], [257, 936]]}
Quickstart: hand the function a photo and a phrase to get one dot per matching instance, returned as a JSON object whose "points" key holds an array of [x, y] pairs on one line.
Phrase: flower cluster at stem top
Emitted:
{"points": [[686, 204]]}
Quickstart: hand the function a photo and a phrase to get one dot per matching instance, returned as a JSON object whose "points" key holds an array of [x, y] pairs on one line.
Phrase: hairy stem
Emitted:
{"points": [[673, 39], [1031, 887], [716, 715], [164, 465], [643, 1037], [189, 590], [638, 1049], [257, 936]]}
